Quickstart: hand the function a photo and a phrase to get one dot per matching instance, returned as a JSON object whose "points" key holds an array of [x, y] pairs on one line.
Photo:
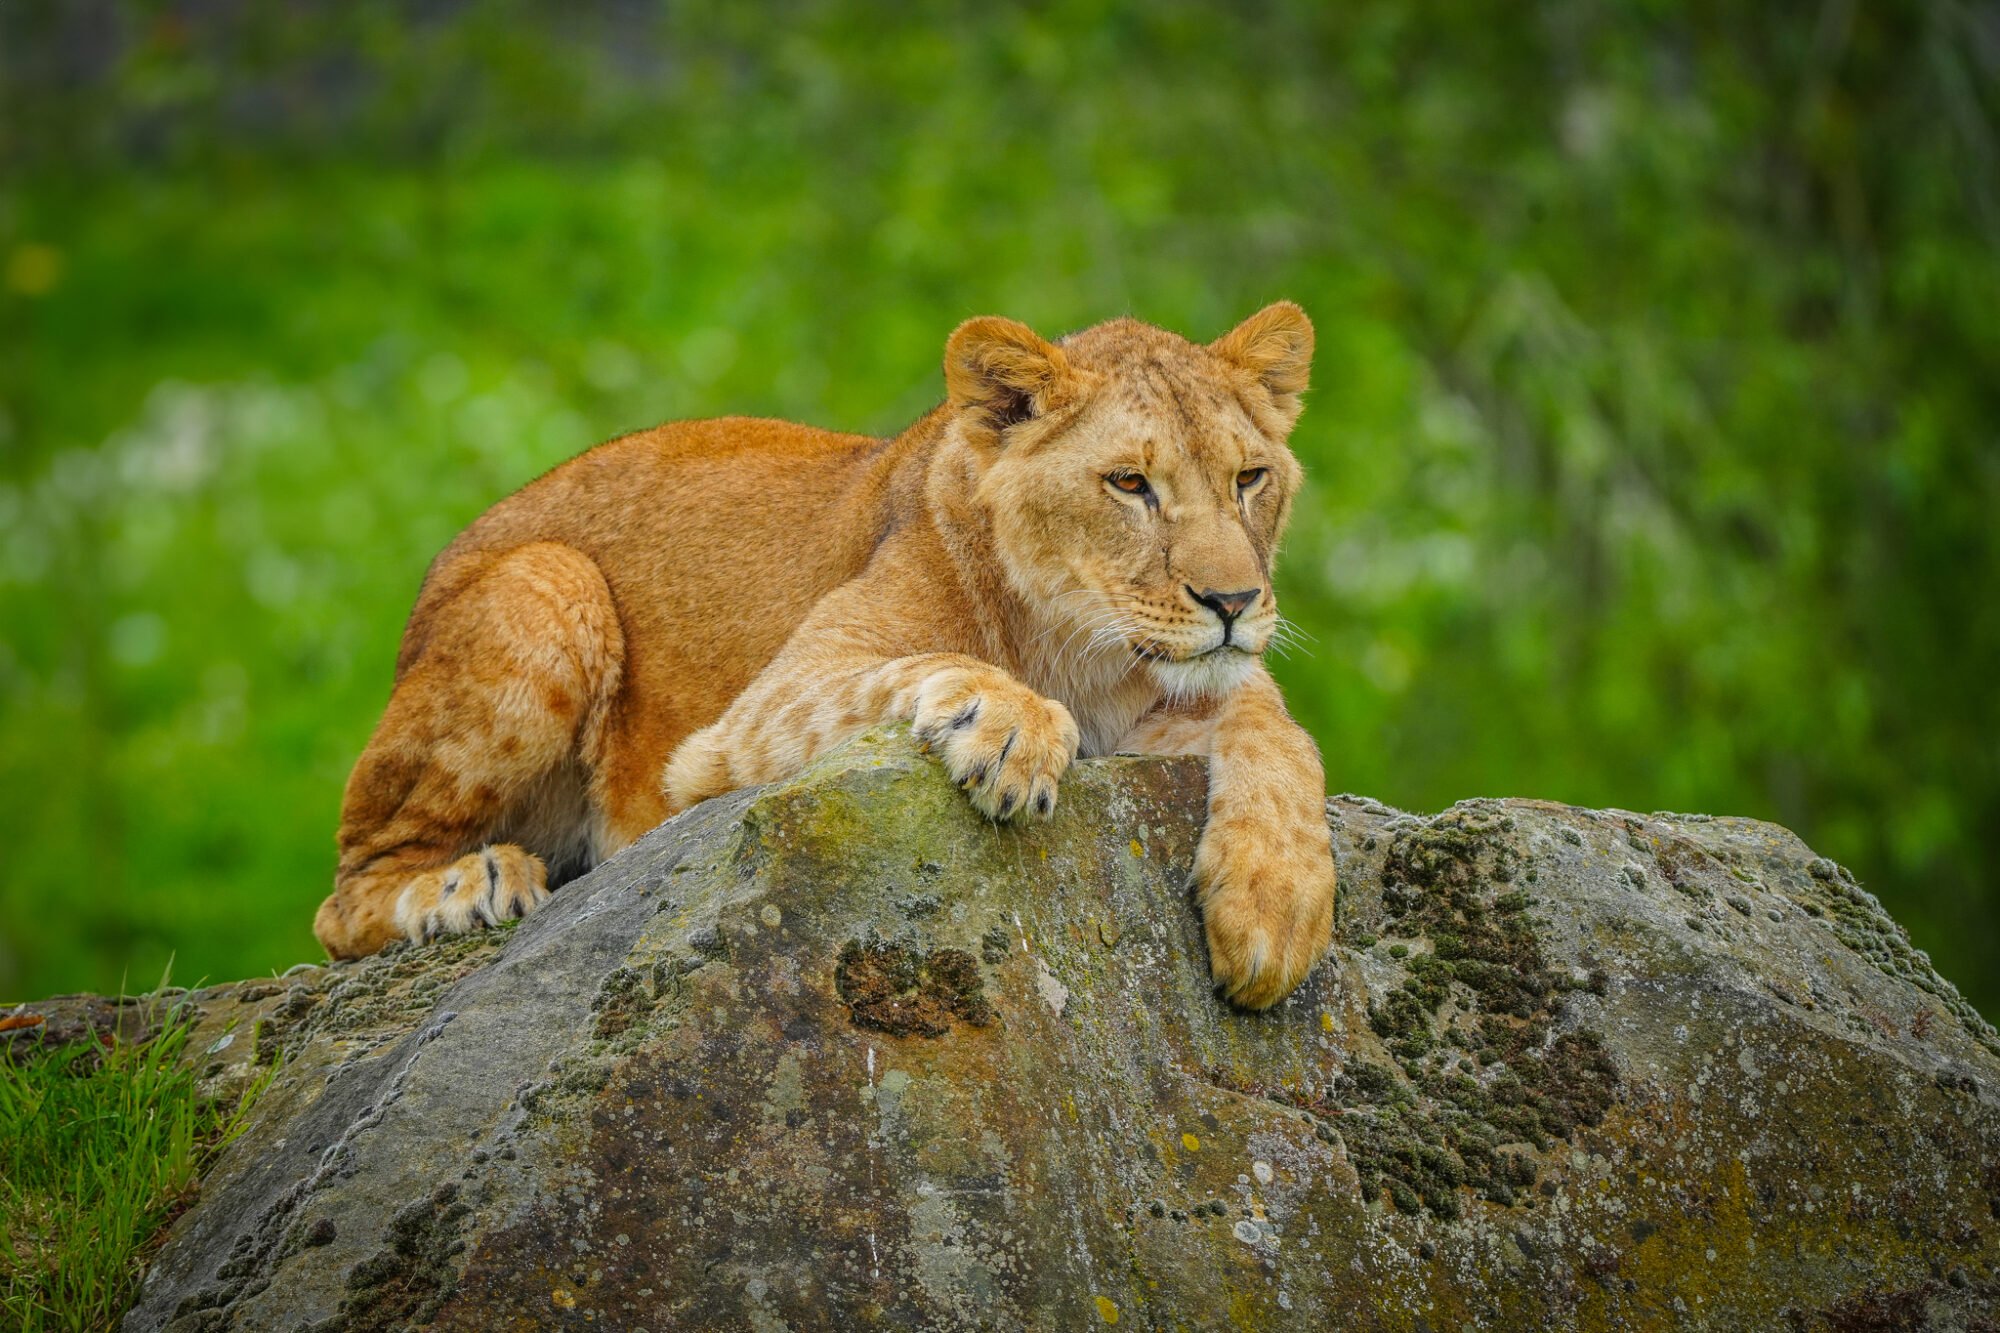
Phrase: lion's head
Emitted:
{"points": [[1136, 484]]}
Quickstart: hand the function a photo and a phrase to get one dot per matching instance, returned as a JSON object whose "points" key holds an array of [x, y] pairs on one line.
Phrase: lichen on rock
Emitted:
{"points": [[839, 1051]]}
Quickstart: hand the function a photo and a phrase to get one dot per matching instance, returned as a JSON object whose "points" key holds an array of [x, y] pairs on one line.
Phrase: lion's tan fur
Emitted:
{"points": [[710, 604]]}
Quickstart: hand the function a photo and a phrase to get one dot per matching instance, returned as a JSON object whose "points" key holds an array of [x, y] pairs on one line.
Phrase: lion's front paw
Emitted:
{"points": [[1001, 741], [494, 884], [1267, 904]]}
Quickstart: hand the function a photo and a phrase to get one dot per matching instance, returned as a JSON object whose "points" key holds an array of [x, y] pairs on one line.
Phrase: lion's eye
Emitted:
{"points": [[1130, 482], [1249, 477]]}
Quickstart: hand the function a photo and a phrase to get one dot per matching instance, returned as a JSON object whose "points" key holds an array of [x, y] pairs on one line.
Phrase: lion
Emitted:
{"points": [[1071, 555]]}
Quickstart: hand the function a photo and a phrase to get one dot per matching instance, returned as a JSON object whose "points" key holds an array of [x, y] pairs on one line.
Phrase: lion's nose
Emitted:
{"points": [[1228, 605]]}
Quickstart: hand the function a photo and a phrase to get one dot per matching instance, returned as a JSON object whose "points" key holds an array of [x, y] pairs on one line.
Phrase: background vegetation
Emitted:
{"points": [[1653, 445]]}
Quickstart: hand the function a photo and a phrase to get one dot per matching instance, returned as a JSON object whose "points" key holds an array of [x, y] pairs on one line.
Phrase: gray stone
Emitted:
{"points": [[1553, 1075]]}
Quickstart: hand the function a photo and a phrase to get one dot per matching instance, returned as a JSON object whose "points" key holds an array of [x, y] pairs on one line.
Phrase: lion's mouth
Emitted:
{"points": [[1152, 652]]}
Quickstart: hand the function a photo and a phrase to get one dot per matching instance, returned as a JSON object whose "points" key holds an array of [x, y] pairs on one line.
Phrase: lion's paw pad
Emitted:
{"points": [[495, 884], [1007, 747], [1267, 908]]}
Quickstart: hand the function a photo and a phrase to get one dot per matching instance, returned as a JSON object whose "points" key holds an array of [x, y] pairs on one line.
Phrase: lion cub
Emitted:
{"points": [[1071, 555]]}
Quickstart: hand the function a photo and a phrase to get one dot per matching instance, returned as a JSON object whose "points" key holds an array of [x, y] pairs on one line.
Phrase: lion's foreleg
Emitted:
{"points": [[1001, 741], [1264, 869]]}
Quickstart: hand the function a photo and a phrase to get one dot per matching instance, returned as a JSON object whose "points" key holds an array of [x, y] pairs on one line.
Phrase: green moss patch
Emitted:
{"points": [[1482, 1082], [408, 1281], [1859, 922]]}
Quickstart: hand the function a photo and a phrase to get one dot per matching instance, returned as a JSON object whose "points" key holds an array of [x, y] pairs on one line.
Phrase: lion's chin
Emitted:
{"points": [[1208, 676]]}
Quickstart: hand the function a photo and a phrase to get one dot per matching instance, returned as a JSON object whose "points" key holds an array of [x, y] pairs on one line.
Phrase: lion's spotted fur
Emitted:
{"points": [[708, 605]]}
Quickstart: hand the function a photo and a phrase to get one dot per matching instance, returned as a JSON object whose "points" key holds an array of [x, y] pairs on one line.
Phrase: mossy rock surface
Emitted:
{"points": [[838, 1053]]}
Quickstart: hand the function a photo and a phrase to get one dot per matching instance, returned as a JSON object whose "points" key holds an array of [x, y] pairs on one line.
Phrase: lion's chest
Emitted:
{"points": [[1106, 706]]}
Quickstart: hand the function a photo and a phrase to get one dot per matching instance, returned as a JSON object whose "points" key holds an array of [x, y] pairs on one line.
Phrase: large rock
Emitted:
{"points": [[839, 1053]]}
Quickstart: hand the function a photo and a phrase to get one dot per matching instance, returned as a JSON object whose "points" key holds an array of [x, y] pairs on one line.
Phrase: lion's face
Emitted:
{"points": [[1138, 501]]}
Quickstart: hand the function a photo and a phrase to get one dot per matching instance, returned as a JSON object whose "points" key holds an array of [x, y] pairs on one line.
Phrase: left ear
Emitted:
{"points": [[999, 373], [1276, 346]]}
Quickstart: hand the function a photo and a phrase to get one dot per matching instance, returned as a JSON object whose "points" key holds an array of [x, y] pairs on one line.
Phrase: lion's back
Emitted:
{"points": [[715, 537]]}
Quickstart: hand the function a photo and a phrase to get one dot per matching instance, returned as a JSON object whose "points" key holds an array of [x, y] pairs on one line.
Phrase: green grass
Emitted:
{"points": [[101, 1145]]}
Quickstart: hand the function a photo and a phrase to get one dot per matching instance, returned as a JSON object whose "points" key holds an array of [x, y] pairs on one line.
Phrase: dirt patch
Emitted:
{"points": [[904, 991]]}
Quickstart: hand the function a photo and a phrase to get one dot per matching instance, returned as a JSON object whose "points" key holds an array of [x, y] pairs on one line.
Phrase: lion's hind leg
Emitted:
{"points": [[494, 719]]}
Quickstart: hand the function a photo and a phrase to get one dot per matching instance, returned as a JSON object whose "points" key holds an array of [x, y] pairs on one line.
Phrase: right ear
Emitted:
{"points": [[1000, 372], [1276, 346]]}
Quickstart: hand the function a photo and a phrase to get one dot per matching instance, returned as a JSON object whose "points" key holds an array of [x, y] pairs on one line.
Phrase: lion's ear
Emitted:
{"points": [[1002, 372], [1276, 346]]}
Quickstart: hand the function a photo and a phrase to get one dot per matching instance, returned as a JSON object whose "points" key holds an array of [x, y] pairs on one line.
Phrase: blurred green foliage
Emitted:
{"points": [[1653, 442]]}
